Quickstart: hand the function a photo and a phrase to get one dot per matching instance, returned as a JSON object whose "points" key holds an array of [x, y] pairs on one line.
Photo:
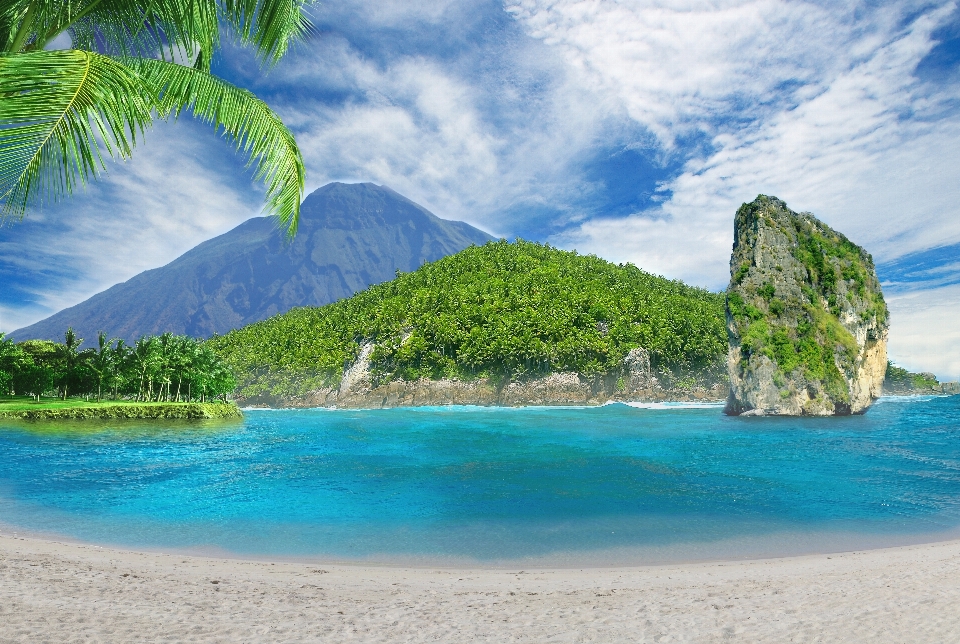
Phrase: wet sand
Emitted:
{"points": [[66, 592]]}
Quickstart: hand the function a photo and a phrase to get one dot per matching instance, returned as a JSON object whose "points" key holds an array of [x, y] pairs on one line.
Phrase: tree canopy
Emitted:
{"points": [[163, 368], [502, 310]]}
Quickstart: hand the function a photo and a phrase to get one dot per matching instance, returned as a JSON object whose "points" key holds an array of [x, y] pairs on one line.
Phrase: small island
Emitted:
{"points": [[158, 377], [806, 317]]}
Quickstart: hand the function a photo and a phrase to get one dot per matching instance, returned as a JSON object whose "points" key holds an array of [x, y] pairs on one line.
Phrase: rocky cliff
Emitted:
{"points": [[633, 382], [806, 319]]}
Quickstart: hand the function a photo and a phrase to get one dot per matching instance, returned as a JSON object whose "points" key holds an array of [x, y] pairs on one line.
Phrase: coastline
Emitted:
{"points": [[562, 389], [51, 589]]}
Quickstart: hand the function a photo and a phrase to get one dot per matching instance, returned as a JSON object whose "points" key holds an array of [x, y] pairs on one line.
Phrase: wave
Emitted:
{"points": [[674, 405], [909, 399]]}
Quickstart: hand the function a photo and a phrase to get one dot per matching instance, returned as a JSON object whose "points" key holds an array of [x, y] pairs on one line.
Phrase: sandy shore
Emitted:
{"points": [[62, 592]]}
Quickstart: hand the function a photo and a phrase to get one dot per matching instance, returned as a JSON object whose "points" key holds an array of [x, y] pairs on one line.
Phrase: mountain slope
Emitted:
{"points": [[350, 237], [501, 311]]}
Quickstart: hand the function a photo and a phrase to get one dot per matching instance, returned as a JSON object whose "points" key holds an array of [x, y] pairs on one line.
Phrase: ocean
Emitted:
{"points": [[612, 485]]}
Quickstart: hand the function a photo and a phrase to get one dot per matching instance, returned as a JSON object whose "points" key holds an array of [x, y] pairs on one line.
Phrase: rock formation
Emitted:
{"points": [[633, 382], [806, 318]]}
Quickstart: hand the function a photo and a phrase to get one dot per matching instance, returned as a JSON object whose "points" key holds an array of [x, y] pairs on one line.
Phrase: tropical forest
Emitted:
{"points": [[501, 310], [163, 368]]}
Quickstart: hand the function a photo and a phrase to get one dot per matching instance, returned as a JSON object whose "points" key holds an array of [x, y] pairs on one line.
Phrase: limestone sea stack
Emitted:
{"points": [[806, 319]]}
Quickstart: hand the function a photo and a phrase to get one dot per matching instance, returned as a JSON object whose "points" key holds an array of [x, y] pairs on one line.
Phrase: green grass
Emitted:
{"points": [[28, 403], [25, 407]]}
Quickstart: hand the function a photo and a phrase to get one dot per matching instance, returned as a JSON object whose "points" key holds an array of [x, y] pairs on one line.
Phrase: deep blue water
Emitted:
{"points": [[564, 486]]}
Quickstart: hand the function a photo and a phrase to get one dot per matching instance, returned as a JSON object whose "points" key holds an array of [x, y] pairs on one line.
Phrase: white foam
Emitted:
{"points": [[675, 405], [910, 399]]}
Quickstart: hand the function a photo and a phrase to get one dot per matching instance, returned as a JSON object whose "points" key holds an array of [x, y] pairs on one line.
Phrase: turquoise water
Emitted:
{"points": [[614, 484]]}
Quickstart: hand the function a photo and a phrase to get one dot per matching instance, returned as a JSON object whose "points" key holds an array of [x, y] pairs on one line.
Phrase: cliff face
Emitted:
{"points": [[806, 319], [634, 382]]}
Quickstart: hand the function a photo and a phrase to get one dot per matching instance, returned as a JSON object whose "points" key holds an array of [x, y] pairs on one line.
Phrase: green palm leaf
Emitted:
{"points": [[255, 129], [270, 25], [153, 27], [58, 111]]}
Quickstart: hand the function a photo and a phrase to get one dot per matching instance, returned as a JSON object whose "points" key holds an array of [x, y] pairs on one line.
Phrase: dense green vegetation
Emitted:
{"points": [[830, 258], [900, 380], [27, 407], [502, 310], [164, 368]]}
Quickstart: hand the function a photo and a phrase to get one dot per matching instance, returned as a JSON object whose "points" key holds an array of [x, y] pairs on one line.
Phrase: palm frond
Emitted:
{"points": [[150, 28], [269, 25], [255, 129], [59, 112]]}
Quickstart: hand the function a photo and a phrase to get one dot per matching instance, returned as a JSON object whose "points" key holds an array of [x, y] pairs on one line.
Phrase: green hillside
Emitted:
{"points": [[502, 310]]}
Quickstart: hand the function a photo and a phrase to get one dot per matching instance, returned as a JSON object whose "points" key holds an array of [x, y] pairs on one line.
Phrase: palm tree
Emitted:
{"points": [[120, 363], [62, 112], [69, 359], [144, 356], [101, 362]]}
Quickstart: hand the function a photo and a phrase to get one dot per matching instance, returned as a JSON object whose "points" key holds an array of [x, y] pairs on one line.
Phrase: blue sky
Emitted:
{"points": [[632, 130]]}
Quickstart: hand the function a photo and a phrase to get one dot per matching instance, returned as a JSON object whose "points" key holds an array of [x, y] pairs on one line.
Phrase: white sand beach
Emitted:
{"points": [[64, 592]]}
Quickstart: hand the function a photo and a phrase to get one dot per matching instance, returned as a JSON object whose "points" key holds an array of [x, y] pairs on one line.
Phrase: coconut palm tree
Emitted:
{"points": [[101, 362], [63, 112], [144, 357], [121, 367], [70, 360]]}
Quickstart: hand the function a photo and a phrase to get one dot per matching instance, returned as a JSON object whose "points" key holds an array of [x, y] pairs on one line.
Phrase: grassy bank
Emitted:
{"points": [[26, 408]]}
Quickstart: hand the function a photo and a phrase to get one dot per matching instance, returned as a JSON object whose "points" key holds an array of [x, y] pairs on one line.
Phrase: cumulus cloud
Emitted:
{"points": [[797, 100], [922, 336], [468, 145]]}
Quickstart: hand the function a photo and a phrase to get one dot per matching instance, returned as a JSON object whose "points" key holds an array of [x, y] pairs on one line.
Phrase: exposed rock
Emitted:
{"points": [[356, 379], [637, 368], [635, 382], [806, 318]]}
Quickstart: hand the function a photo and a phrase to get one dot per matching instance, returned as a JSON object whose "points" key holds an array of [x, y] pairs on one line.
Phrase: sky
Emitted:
{"points": [[631, 130]]}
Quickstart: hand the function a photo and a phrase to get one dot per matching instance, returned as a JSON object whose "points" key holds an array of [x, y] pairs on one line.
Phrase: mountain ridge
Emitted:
{"points": [[351, 236]]}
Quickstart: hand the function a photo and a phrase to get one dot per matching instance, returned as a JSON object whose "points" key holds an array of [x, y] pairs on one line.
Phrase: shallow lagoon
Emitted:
{"points": [[548, 486]]}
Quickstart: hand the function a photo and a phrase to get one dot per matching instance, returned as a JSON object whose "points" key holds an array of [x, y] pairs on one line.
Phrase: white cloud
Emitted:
{"points": [[174, 193], [923, 335], [464, 147], [800, 101], [677, 64]]}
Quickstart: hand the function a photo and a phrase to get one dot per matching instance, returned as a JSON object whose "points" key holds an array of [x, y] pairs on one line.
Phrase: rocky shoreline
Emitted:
{"points": [[636, 382]]}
